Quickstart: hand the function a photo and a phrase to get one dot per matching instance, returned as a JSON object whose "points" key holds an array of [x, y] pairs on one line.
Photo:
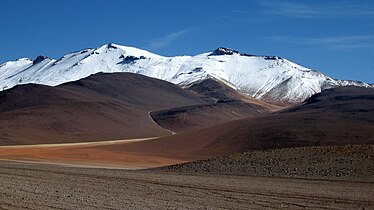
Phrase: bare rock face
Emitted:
{"points": [[39, 59], [227, 51]]}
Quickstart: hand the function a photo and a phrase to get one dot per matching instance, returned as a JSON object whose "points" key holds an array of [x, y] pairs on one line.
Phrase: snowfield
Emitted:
{"points": [[269, 78]]}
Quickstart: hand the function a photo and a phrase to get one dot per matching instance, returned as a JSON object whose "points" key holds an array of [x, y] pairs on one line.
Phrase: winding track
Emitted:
{"points": [[92, 143]]}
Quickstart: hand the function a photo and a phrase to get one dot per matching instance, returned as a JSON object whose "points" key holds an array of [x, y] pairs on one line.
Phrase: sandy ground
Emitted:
{"points": [[39, 186], [87, 154]]}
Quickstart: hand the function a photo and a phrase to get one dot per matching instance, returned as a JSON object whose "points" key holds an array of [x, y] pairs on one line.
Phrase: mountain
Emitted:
{"points": [[336, 116], [186, 118], [269, 78], [229, 105], [107, 106], [99, 107], [289, 142], [221, 92]]}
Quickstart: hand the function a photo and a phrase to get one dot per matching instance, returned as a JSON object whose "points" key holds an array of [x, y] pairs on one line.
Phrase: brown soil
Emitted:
{"points": [[36, 186]]}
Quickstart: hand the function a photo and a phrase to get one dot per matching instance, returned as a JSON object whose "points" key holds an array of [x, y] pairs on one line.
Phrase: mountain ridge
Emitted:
{"points": [[270, 78]]}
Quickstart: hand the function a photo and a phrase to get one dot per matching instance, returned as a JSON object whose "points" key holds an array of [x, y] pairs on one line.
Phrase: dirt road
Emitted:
{"points": [[41, 186]]}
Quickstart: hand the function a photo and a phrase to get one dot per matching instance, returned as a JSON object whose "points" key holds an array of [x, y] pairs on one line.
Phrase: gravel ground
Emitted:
{"points": [[42, 186], [348, 162]]}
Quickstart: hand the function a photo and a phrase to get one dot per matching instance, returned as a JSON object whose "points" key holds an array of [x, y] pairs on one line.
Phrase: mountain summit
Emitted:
{"points": [[269, 78]]}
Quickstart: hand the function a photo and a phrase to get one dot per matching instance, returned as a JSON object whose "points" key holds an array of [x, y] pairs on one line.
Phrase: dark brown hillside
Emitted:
{"points": [[322, 123], [138, 90], [349, 99], [186, 118], [116, 106], [100, 107], [229, 105], [327, 121], [221, 92]]}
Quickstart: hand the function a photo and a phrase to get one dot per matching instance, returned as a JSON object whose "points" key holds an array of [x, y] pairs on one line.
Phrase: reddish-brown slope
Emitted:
{"points": [[334, 117], [100, 107]]}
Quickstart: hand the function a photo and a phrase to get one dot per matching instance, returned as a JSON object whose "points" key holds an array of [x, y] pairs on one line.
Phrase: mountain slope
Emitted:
{"points": [[186, 118], [314, 123], [317, 123], [222, 92], [99, 107], [269, 78], [228, 105]]}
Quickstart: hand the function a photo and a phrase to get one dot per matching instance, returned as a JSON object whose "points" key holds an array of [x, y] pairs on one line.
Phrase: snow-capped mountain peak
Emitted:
{"points": [[265, 77]]}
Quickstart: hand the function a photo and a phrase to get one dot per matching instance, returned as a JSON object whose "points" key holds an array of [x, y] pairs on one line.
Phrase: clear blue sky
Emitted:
{"points": [[334, 37]]}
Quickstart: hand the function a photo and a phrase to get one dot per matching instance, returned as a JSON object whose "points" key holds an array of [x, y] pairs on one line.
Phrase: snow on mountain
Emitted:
{"points": [[264, 77]]}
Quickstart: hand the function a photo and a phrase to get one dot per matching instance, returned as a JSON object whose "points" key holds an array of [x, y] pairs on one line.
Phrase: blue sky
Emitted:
{"points": [[334, 37]]}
